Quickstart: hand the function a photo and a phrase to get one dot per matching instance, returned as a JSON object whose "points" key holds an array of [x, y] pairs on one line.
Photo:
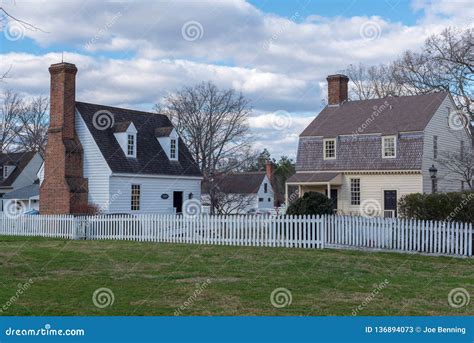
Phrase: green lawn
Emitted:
{"points": [[156, 279]]}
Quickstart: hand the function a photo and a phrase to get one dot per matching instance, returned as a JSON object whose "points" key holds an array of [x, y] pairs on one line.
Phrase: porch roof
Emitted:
{"points": [[316, 178]]}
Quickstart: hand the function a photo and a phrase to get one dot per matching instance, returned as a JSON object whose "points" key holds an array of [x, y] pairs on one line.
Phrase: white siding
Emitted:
{"points": [[29, 173], [96, 169], [448, 140], [372, 188], [151, 189], [267, 197]]}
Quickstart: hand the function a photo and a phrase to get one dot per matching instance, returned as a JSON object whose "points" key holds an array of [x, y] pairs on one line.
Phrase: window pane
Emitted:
{"points": [[135, 198], [355, 191]]}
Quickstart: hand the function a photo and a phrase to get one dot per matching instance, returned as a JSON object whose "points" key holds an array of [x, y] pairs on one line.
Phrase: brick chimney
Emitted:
{"points": [[64, 189], [337, 89], [269, 170]]}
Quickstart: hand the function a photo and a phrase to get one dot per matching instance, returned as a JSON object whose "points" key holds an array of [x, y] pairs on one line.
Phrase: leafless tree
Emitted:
{"points": [[11, 107], [445, 62], [460, 166], [226, 203], [369, 82], [212, 122], [214, 125], [33, 125]]}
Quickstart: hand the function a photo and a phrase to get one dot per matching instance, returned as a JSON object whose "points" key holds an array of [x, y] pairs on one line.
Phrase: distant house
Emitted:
{"points": [[367, 154], [239, 193], [115, 159], [18, 180]]}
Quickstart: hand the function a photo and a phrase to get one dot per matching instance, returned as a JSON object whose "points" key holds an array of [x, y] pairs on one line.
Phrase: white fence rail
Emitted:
{"points": [[392, 234]]}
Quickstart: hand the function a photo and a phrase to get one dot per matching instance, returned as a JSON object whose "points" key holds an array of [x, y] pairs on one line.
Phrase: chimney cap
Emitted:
{"points": [[337, 76], [57, 67]]}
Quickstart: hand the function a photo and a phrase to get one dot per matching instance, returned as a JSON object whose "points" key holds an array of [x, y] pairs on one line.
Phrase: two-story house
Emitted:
{"points": [[367, 154], [116, 159]]}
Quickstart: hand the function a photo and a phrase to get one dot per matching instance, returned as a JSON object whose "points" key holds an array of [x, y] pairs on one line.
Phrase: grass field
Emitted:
{"points": [[158, 279]]}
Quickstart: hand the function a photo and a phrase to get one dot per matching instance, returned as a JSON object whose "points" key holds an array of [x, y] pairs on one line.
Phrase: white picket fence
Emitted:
{"points": [[390, 234]]}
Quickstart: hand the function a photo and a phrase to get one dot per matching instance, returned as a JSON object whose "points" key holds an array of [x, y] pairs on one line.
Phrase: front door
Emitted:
{"points": [[178, 202], [390, 203]]}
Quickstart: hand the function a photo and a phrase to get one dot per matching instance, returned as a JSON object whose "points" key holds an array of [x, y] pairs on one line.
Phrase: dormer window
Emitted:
{"points": [[126, 135], [329, 149], [389, 147], [130, 145], [173, 149], [168, 139]]}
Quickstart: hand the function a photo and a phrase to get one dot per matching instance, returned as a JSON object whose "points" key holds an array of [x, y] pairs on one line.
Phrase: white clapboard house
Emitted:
{"points": [[367, 154], [116, 159]]}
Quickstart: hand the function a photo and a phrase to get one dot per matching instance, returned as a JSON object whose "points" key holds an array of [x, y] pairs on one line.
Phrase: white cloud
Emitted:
{"points": [[278, 63]]}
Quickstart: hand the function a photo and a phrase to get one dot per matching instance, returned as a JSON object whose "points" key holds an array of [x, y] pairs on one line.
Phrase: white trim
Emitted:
{"points": [[384, 138], [326, 140], [157, 176], [394, 171]]}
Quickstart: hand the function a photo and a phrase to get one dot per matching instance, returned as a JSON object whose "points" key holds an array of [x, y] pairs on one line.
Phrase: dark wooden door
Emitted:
{"points": [[333, 198], [178, 201], [390, 201]]}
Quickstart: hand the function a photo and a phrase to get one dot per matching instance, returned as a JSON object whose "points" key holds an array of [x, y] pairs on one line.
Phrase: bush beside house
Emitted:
{"points": [[455, 206], [311, 203]]}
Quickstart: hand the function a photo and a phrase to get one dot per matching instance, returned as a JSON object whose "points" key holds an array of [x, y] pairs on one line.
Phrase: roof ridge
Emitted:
{"points": [[121, 108]]}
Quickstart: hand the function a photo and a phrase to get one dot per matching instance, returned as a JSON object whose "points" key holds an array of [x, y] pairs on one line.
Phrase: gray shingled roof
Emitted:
{"points": [[390, 115], [20, 160], [151, 158], [238, 183], [363, 152], [23, 193], [312, 177]]}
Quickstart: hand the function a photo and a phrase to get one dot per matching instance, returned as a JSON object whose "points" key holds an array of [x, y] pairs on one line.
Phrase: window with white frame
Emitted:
{"points": [[389, 147], [130, 145], [135, 198], [355, 191], [173, 149], [435, 147], [329, 149]]}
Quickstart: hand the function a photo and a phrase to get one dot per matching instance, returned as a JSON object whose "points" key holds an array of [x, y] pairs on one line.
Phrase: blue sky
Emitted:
{"points": [[278, 53]]}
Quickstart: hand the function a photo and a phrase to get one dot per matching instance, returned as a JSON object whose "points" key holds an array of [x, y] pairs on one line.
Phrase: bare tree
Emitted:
{"points": [[212, 122], [445, 62], [460, 166], [33, 126], [226, 203], [369, 82], [11, 109]]}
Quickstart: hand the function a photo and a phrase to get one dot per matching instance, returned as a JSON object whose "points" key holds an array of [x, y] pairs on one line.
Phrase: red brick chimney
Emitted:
{"points": [[64, 189], [269, 170], [337, 89]]}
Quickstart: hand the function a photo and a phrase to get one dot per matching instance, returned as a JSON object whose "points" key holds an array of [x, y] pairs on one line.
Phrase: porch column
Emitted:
{"points": [[329, 190], [29, 203]]}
